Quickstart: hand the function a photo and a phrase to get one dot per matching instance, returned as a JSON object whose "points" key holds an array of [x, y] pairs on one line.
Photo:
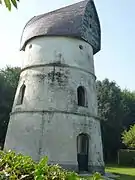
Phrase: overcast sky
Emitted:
{"points": [[115, 61]]}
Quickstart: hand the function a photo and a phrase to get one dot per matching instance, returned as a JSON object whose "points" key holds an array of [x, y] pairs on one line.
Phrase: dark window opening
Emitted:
{"points": [[81, 47], [81, 93], [21, 95], [82, 144], [30, 46]]}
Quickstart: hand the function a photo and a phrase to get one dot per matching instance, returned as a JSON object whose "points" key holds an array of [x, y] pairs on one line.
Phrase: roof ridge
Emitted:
{"points": [[35, 18]]}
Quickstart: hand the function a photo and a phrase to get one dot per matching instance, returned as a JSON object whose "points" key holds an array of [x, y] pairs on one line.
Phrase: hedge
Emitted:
{"points": [[126, 157], [19, 167]]}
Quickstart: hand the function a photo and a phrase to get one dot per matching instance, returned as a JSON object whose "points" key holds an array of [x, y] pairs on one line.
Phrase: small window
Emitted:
{"points": [[81, 47], [21, 95], [30, 46], [81, 95]]}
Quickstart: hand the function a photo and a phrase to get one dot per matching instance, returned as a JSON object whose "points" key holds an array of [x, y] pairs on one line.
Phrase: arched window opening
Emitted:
{"points": [[81, 95], [21, 95], [82, 144]]}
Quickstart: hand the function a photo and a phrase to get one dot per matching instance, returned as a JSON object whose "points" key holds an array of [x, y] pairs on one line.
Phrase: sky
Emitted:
{"points": [[115, 61]]}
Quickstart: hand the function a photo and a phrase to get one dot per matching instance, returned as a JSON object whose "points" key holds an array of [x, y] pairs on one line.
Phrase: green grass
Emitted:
{"points": [[125, 173]]}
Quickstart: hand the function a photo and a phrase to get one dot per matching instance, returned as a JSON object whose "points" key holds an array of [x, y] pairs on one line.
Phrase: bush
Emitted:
{"points": [[128, 137], [126, 157], [19, 167]]}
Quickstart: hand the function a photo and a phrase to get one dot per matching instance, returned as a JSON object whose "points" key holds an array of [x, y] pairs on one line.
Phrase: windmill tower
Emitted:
{"points": [[55, 106]]}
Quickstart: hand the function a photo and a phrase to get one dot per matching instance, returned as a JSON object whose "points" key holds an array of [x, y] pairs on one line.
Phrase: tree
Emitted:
{"points": [[117, 109], [11, 75], [129, 101], [8, 83], [112, 110], [128, 137], [9, 3]]}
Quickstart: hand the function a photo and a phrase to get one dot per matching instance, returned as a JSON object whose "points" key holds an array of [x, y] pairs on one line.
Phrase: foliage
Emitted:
{"points": [[128, 137], [97, 176], [9, 3], [129, 101], [11, 75], [8, 83], [126, 157], [117, 109], [112, 110], [19, 167], [16, 166]]}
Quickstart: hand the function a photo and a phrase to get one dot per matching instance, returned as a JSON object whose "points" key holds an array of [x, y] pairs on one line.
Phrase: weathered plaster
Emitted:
{"points": [[49, 120]]}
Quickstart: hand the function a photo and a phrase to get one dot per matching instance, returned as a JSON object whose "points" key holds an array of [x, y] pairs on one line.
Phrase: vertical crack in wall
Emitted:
{"points": [[41, 128], [53, 73], [41, 135]]}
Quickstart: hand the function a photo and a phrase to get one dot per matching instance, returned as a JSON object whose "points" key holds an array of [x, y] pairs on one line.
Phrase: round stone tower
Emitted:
{"points": [[55, 107]]}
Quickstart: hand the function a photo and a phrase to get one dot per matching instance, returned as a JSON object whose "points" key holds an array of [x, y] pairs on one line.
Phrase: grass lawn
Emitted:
{"points": [[126, 173]]}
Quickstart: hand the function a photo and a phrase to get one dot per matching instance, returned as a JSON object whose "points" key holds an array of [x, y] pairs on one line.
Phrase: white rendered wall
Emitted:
{"points": [[49, 120]]}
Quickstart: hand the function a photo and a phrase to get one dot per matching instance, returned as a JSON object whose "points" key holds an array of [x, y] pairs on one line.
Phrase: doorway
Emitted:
{"points": [[82, 152]]}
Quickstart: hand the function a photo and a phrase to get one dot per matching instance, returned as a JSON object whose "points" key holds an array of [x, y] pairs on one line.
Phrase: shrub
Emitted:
{"points": [[126, 157], [128, 137], [14, 166], [19, 167]]}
